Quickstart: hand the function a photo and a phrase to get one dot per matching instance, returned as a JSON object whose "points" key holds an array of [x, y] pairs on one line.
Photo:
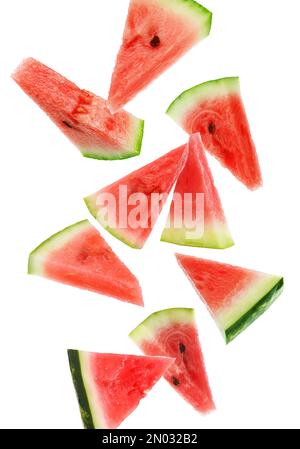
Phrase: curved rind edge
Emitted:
{"points": [[156, 320], [105, 156], [43, 245], [255, 312], [90, 204], [194, 9], [192, 93], [92, 207], [75, 368]]}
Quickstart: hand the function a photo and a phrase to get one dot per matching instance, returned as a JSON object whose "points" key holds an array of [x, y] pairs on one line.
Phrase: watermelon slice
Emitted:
{"points": [[234, 296], [215, 109], [80, 257], [130, 207], [109, 387], [157, 33], [192, 222], [82, 116], [173, 333]]}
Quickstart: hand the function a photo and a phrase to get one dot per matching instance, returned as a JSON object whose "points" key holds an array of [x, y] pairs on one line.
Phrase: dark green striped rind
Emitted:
{"points": [[83, 401], [257, 310]]}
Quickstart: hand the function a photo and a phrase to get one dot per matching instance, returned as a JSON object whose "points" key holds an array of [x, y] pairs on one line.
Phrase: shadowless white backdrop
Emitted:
{"points": [[255, 380]]}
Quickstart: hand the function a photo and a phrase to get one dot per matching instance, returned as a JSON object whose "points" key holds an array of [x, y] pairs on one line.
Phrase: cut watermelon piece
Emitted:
{"points": [[80, 257], [82, 116], [109, 387], [234, 296], [197, 221], [173, 333], [216, 110], [157, 33], [130, 207]]}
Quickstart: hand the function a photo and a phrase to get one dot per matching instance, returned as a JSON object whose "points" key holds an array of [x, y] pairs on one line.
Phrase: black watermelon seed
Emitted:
{"points": [[83, 256], [176, 381], [212, 128], [67, 124], [155, 42], [182, 348]]}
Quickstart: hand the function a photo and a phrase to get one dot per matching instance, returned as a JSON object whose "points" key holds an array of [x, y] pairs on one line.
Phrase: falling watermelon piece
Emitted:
{"points": [[157, 33], [130, 207], [109, 387], [82, 116], [196, 217], [80, 257], [216, 110], [173, 333], [234, 296]]}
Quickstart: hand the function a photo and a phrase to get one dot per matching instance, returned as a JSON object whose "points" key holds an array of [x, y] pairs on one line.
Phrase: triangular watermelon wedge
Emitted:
{"points": [[157, 33], [82, 116], [173, 333], [80, 257], [109, 387], [216, 110], [196, 217], [235, 296], [130, 207]]}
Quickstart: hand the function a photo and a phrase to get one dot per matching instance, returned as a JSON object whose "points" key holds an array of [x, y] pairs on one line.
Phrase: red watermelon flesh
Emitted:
{"points": [[152, 184], [196, 178], [173, 333], [82, 116], [235, 296], [80, 257], [109, 387], [216, 110], [157, 33]]}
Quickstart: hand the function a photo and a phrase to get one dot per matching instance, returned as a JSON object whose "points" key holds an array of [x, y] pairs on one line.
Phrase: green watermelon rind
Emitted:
{"points": [[117, 151], [106, 156], [85, 410], [211, 239], [202, 92], [121, 238], [149, 333], [90, 204], [192, 10], [151, 325], [255, 312], [56, 241]]}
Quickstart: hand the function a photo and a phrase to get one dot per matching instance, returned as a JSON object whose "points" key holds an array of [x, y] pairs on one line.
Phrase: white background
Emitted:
{"points": [[255, 380]]}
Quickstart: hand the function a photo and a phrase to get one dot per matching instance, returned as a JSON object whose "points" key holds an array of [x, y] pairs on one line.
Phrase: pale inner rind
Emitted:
{"points": [[38, 256], [149, 328], [132, 148], [91, 391], [191, 10], [245, 300], [210, 90], [216, 235]]}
